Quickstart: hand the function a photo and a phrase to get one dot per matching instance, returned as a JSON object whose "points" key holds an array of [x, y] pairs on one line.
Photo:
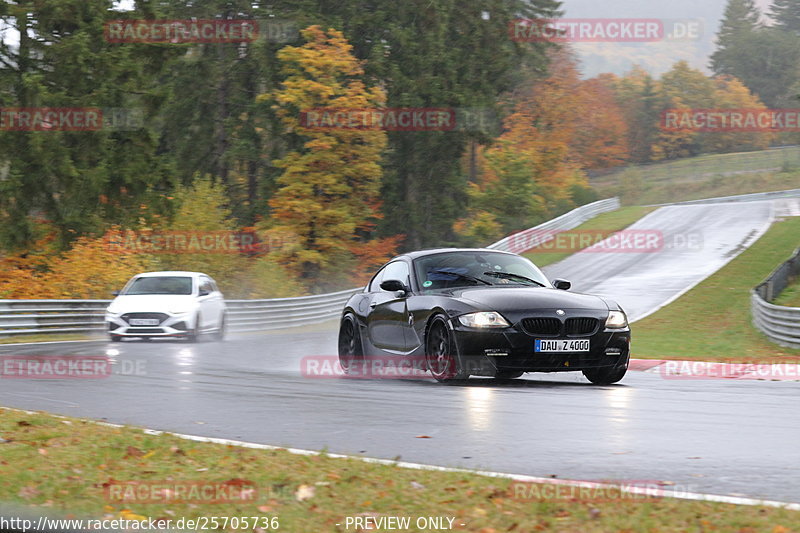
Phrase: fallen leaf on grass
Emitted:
{"points": [[127, 514], [304, 492], [23, 423], [28, 492], [132, 451]]}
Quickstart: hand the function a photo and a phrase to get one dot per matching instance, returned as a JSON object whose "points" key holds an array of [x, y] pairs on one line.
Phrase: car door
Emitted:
{"points": [[387, 315], [210, 303]]}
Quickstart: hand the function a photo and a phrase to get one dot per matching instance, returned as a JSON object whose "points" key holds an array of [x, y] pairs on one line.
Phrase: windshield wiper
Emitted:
{"points": [[509, 275], [462, 276]]}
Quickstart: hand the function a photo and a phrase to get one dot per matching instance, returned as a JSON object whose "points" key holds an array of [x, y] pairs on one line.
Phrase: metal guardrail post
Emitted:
{"points": [[779, 323]]}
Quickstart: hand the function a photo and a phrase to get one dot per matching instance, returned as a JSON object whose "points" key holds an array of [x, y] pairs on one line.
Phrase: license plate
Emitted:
{"points": [[144, 322], [561, 345]]}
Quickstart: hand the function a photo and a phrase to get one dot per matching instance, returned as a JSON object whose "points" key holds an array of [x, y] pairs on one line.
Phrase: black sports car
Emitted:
{"points": [[465, 312]]}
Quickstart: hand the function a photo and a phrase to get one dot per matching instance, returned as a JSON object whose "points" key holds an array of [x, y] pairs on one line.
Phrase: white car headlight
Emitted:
{"points": [[616, 320], [178, 310], [484, 319], [111, 310]]}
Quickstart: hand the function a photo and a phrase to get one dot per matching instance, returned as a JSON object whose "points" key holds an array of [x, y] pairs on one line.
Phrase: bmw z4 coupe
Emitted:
{"points": [[463, 312]]}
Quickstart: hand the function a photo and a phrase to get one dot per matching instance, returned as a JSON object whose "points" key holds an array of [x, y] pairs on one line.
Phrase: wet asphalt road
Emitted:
{"points": [[721, 437], [693, 242], [715, 436]]}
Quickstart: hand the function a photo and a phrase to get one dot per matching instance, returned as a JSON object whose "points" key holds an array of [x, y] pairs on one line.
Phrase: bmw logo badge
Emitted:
{"points": [[560, 312]]}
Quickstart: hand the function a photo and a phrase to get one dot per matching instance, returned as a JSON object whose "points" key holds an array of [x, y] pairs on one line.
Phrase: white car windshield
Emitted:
{"points": [[160, 285]]}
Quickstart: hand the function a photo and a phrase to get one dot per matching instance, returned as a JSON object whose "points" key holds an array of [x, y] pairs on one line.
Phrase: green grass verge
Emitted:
{"points": [[70, 467], [603, 223], [12, 339], [703, 177], [790, 296], [713, 321]]}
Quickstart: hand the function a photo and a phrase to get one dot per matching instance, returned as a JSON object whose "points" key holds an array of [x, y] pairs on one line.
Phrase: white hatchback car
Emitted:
{"points": [[167, 304]]}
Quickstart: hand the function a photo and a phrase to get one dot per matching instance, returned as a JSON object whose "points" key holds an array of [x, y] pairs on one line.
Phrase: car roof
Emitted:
{"points": [[434, 251], [170, 273]]}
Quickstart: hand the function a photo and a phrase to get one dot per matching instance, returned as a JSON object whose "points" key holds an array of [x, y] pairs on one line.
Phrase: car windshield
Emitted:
{"points": [[160, 285], [467, 269]]}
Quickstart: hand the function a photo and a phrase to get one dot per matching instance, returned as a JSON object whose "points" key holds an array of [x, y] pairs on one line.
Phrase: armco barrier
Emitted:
{"points": [[518, 242], [18, 317], [780, 324]]}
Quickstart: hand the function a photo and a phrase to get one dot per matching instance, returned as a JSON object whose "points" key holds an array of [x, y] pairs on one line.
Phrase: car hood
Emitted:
{"points": [[152, 303], [524, 298]]}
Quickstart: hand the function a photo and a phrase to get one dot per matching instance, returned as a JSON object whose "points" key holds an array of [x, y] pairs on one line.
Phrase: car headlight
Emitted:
{"points": [[179, 310], [484, 319], [111, 310], [616, 320]]}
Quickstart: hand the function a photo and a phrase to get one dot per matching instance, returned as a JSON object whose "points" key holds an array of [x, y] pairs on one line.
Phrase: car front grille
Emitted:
{"points": [[579, 327], [545, 327], [554, 327], [161, 317], [145, 330]]}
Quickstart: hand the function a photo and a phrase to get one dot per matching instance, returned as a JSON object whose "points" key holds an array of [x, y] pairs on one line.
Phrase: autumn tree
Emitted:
{"points": [[730, 93], [201, 209], [601, 138], [531, 170], [329, 190], [637, 96], [91, 269], [682, 87]]}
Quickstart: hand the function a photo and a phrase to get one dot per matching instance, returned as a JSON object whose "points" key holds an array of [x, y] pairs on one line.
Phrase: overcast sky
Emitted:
{"points": [[656, 57]]}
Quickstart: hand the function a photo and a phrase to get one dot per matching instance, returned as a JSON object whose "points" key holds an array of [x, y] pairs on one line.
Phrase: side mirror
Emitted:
{"points": [[203, 292], [115, 293], [393, 285], [561, 284]]}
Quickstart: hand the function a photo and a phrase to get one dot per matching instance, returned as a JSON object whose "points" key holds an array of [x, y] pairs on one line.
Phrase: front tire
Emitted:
{"points": [[605, 376], [194, 334], [219, 335], [116, 338], [443, 363], [350, 348]]}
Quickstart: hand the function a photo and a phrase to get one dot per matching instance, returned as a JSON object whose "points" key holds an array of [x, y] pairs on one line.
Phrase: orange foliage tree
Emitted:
{"points": [[601, 141], [328, 193], [531, 171], [91, 269]]}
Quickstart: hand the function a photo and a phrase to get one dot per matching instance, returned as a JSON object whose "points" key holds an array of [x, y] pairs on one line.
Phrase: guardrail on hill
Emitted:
{"points": [[780, 324], [521, 241], [21, 317], [752, 197]]}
